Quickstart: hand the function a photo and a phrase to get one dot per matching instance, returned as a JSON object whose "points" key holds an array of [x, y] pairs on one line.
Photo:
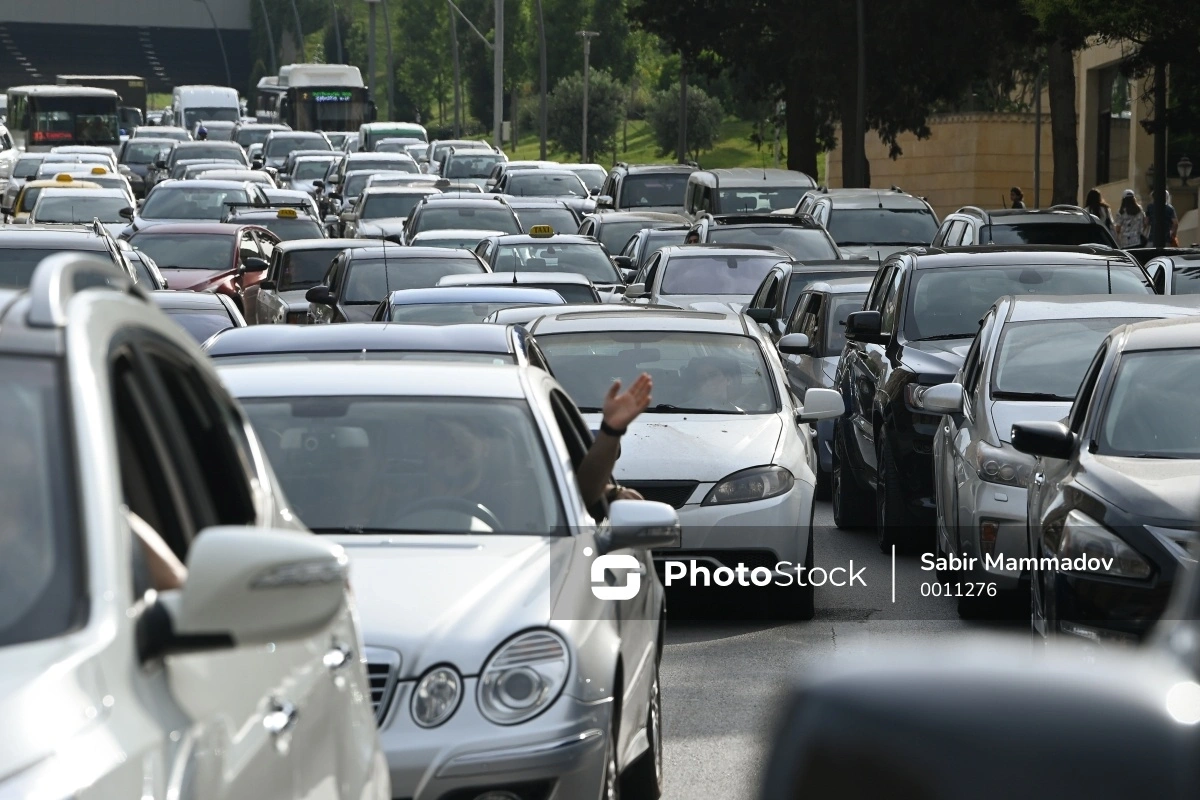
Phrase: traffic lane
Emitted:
{"points": [[723, 670]]}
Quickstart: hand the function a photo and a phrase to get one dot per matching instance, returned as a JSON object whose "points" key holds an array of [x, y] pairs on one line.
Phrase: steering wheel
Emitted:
{"points": [[456, 504]]}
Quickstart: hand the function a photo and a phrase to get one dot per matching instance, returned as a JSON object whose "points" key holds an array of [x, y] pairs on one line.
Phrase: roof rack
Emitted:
{"points": [[1067, 207], [59, 277], [974, 210], [896, 188]]}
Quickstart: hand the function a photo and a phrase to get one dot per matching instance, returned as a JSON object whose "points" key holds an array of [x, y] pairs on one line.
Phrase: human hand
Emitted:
{"points": [[622, 408], [625, 493]]}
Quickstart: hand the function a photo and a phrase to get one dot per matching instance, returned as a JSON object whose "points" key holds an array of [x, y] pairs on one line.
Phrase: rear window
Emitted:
{"points": [[802, 243], [1064, 233], [304, 269], [368, 282], [1187, 279], [444, 216], [201, 324], [17, 265]]}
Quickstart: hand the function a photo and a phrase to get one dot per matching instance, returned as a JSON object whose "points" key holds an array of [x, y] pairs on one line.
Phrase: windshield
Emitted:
{"points": [[588, 260], [29, 197], [17, 266], [1186, 279], [614, 234], [67, 120], [303, 269], [760, 200], [1153, 406], [464, 165], [194, 114], [187, 250], [1068, 233], [654, 240], [1046, 360], [289, 230], [717, 274], [383, 165], [201, 324], [310, 169], [282, 145], [385, 206], [367, 282], [448, 313], [801, 279], [372, 137], [27, 166], [217, 151], [186, 202], [642, 191], [539, 183], [410, 464], [841, 306], [703, 372], [802, 243], [444, 216], [466, 242], [562, 220], [248, 136], [79, 207], [948, 303], [882, 226], [143, 152], [41, 580]]}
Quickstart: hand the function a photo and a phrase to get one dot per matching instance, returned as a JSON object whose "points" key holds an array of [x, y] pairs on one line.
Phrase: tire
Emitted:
{"points": [[851, 502], [795, 602], [893, 524], [644, 778]]}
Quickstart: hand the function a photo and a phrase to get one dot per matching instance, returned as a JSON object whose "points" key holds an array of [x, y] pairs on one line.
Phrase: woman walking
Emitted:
{"points": [[1131, 222], [1097, 206]]}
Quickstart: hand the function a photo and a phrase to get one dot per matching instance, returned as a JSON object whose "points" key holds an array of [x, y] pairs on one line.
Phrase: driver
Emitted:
{"points": [[710, 382]]}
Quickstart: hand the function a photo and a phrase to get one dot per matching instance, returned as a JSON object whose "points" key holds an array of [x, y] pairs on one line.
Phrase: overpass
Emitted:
{"points": [[169, 42]]}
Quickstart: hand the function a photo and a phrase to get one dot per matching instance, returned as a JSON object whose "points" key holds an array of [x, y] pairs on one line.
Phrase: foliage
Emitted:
{"points": [[606, 103], [704, 116]]}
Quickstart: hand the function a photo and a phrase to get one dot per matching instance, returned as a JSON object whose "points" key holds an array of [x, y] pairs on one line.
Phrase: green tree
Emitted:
{"points": [[606, 104], [704, 116]]}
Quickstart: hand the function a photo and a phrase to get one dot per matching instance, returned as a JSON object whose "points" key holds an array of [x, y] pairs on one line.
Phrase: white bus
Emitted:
{"points": [[45, 116], [310, 97]]}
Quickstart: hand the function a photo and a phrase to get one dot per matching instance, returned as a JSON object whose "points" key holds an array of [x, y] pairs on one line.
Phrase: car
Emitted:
{"points": [[202, 314], [172, 132], [215, 130], [523, 315], [467, 239], [371, 133], [370, 162], [744, 190], [72, 207], [775, 299], [371, 341], [871, 223], [1057, 225], [449, 305], [24, 167], [188, 168], [1143, 255], [800, 236], [645, 187], [613, 228], [213, 151], [296, 266], [378, 179], [544, 182], [288, 223], [209, 256], [23, 248], [544, 251], [89, 154], [469, 469], [137, 157], [145, 269], [248, 133], [345, 194], [359, 279], [811, 362], [101, 176], [70, 164], [725, 442], [279, 144], [641, 244], [383, 211], [305, 171], [471, 164], [106, 404], [483, 213], [1177, 274], [395, 144], [1025, 364], [592, 175], [192, 201], [703, 275], [216, 172], [501, 167], [1115, 485], [440, 150], [532, 211], [289, 161], [573, 287], [19, 211], [338, 139], [913, 333], [292, 198]]}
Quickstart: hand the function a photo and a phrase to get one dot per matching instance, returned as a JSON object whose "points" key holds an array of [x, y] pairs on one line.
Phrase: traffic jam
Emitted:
{"points": [[342, 462]]}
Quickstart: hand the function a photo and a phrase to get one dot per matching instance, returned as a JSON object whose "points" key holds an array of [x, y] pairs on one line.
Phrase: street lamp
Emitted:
{"points": [[299, 32], [337, 30], [371, 48], [270, 36], [220, 41], [587, 81], [1185, 169]]}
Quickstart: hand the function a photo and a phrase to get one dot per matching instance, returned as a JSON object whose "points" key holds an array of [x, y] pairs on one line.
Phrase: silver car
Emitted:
{"points": [[495, 663], [703, 276]]}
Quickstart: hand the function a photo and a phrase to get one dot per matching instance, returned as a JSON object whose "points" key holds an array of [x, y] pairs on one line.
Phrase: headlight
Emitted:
{"points": [[1003, 465], [523, 677], [1083, 536], [757, 483], [436, 696]]}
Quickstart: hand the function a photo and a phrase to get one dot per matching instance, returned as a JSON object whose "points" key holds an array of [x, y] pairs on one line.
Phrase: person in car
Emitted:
{"points": [[711, 380]]}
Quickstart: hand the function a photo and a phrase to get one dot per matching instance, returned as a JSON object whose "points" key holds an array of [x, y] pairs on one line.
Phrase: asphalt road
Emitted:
{"points": [[722, 669]]}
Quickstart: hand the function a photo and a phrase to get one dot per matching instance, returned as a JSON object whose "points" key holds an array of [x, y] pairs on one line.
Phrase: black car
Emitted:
{"points": [[646, 241], [484, 213], [644, 187], [802, 236], [919, 320], [613, 228], [773, 303], [532, 211], [1114, 504], [1057, 225], [23, 247], [137, 157], [201, 314], [194, 151]]}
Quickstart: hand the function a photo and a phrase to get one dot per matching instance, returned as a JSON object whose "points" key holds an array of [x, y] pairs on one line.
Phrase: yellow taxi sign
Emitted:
{"points": [[99, 171], [541, 231], [63, 177], [286, 213]]}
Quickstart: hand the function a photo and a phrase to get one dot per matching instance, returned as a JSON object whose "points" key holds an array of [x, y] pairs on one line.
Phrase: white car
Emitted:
{"points": [[703, 277], [499, 666], [73, 207], [123, 676], [725, 441]]}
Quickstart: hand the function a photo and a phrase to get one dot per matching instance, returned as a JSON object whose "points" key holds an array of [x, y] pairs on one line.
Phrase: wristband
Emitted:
{"points": [[610, 430]]}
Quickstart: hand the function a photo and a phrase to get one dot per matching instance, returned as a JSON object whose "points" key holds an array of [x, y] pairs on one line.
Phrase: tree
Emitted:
{"points": [[606, 104], [704, 117]]}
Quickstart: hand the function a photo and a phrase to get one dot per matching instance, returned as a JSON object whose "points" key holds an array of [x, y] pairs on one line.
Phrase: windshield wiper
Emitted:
{"points": [[670, 409], [359, 529], [589, 409], [1000, 394], [944, 336], [1161, 455]]}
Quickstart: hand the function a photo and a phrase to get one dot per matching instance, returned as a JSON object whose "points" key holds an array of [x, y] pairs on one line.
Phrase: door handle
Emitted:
{"points": [[281, 717], [337, 657]]}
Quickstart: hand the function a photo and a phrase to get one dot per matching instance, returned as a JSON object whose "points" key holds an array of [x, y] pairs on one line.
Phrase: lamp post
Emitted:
{"points": [[337, 30], [220, 42], [587, 82], [371, 47], [299, 32], [542, 83], [1184, 167], [486, 44], [498, 76], [262, 5], [391, 64]]}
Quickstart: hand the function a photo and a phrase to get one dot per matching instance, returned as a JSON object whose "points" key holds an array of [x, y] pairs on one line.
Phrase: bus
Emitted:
{"points": [[42, 117], [131, 88], [311, 97]]}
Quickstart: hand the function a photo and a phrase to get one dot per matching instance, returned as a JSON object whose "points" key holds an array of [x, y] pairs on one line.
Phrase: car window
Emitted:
{"points": [[971, 365], [883, 279], [370, 281], [1046, 359], [797, 316], [839, 308], [716, 274], [766, 295], [808, 321], [1087, 387], [1152, 406], [891, 302], [247, 247]]}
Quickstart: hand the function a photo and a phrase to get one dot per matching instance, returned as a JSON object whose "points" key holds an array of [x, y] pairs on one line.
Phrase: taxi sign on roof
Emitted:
{"points": [[99, 171], [286, 213], [63, 177], [541, 231]]}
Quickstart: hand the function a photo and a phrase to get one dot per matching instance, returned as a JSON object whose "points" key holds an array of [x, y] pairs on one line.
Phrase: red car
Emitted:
{"points": [[225, 258]]}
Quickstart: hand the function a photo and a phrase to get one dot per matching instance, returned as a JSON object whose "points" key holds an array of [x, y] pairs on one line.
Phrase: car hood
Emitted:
{"points": [[936, 360], [1165, 490], [382, 227], [721, 303], [1006, 412], [195, 280], [452, 599], [700, 447]]}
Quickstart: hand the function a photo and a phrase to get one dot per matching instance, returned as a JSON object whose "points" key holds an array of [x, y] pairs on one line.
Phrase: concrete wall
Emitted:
{"points": [[231, 14]]}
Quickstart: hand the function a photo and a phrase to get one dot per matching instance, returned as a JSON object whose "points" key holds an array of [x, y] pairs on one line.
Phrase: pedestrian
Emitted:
{"points": [[1172, 237], [1017, 197], [1131, 222], [1097, 206]]}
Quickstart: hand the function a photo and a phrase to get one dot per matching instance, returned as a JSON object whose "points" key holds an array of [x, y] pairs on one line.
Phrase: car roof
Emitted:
{"points": [[169, 298], [1042, 215], [374, 379], [474, 294], [371, 155], [520, 201], [206, 143], [522, 315], [52, 191], [229, 228], [424, 188], [1015, 255], [325, 244], [736, 177], [601, 319], [558, 238], [1047, 307], [724, 249], [1162, 334], [35, 237], [822, 263], [636, 216], [71, 184], [203, 183], [843, 285], [640, 168], [455, 233], [474, 201], [402, 252], [354, 337], [509, 277]]}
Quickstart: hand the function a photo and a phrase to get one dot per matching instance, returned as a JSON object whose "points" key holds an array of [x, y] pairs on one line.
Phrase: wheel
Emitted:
{"points": [[892, 522], [795, 602], [851, 502], [644, 779]]}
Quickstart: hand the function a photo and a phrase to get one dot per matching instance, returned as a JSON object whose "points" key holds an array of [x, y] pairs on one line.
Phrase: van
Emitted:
{"points": [[744, 190], [192, 104]]}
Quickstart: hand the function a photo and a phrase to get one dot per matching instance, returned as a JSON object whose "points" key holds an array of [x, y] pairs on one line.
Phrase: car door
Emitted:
{"points": [[765, 297], [320, 314], [268, 308], [791, 362], [948, 451], [961, 431], [646, 276]]}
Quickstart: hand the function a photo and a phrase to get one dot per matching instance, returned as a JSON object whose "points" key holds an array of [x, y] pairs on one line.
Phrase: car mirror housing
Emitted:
{"points": [[347, 216], [604, 201], [320, 295], [642, 524], [635, 290], [623, 262], [762, 315], [1046, 439], [865, 326], [945, 398], [820, 403], [126, 213], [267, 286], [255, 265], [628, 275], [793, 344]]}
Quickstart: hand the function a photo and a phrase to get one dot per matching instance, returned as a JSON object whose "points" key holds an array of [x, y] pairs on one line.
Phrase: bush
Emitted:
{"points": [[704, 116], [564, 112]]}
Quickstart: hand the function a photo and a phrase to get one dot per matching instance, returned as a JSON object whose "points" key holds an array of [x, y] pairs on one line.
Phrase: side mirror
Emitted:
{"points": [[604, 201], [347, 216], [865, 326], [623, 262], [320, 295], [331, 219], [794, 344], [161, 163], [267, 286], [251, 586], [641, 524], [256, 164], [6, 211], [763, 315], [628, 275], [945, 398], [255, 265], [318, 185], [126, 213], [820, 403], [635, 290], [1047, 439]]}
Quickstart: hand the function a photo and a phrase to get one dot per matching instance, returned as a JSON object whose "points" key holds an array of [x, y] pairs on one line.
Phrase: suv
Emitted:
{"points": [[913, 333], [744, 190], [872, 223], [489, 212], [124, 458], [24, 247], [802, 236], [1062, 225], [645, 187]]}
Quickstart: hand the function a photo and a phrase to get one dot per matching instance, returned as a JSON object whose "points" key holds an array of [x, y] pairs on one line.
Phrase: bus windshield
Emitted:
{"points": [[332, 108], [61, 120]]}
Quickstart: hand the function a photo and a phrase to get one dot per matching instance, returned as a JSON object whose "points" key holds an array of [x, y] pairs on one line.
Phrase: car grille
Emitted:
{"points": [[673, 493], [383, 668]]}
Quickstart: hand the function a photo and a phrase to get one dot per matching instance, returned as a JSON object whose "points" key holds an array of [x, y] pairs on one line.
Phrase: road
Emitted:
{"points": [[721, 672]]}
